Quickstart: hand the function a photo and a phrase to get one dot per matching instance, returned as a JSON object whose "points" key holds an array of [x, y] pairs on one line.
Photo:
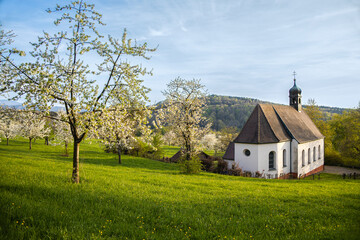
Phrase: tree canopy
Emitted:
{"points": [[183, 114]]}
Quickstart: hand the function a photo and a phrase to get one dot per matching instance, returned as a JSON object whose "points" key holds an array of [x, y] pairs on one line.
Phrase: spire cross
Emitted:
{"points": [[294, 73]]}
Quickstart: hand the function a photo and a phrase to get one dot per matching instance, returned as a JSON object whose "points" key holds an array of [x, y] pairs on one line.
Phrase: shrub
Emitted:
{"points": [[221, 166], [109, 148], [334, 158], [247, 174], [235, 170], [258, 174], [192, 166], [207, 164]]}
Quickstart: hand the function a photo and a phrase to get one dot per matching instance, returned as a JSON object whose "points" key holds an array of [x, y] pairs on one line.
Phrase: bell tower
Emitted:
{"points": [[295, 96]]}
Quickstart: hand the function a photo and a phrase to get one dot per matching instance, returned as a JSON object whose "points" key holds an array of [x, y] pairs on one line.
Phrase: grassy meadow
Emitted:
{"points": [[169, 151], [147, 199]]}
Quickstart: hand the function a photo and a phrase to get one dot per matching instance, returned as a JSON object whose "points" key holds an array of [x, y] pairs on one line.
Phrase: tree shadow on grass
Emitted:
{"points": [[108, 159]]}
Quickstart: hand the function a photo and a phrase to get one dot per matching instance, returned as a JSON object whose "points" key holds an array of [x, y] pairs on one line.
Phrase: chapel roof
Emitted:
{"points": [[229, 153], [277, 123]]}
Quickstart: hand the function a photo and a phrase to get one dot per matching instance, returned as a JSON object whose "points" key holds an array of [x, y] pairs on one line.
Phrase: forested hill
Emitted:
{"points": [[225, 111], [222, 111]]}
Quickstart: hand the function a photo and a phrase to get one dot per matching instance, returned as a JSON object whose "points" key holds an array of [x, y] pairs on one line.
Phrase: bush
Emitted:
{"points": [[192, 166], [207, 164], [334, 158], [221, 166], [247, 174], [235, 170], [258, 174]]}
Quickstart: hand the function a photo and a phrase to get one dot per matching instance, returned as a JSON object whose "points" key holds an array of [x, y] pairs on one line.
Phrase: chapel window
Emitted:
{"points": [[247, 152], [272, 160], [309, 156], [319, 153], [314, 154], [303, 157], [284, 158]]}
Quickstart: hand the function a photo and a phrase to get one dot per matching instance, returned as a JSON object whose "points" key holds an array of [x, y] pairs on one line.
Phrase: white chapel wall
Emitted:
{"points": [[319, 159], [246, 163], [278, 148], [259, 157]]}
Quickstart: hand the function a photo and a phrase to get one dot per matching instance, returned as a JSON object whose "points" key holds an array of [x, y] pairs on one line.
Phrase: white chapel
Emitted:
{"points": [[278, 141]]}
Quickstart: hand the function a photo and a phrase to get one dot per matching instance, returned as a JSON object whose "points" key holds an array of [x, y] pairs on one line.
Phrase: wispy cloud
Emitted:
{"points": [[158, 33]]}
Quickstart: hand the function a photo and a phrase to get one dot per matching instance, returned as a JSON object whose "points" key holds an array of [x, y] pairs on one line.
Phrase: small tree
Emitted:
{"points": [[346, 137], [9, 124], [225, 136], [314, 112], [317, 116], [32, 126], [119, 127], [185, 100], [169, 138], [210, 142]]}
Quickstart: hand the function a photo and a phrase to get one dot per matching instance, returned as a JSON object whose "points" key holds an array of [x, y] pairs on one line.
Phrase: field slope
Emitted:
{"points": [[146, 199]]}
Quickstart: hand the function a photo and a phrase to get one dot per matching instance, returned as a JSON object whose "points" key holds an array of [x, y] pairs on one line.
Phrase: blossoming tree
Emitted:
{"points": [[63, 71], [183, 109]]}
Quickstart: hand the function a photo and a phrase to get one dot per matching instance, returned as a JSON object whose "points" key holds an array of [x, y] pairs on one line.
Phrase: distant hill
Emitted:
{"points": [[9, 103], [17, 105], [225, 111], [12, 104]]}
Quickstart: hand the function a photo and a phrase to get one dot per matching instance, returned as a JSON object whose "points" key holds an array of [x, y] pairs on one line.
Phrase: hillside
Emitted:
{"points": [[147, 199], [225, 111], [222, 111]]}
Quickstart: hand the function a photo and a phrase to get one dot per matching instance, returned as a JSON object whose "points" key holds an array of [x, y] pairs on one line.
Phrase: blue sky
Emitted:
{"points": [[237, 48]]}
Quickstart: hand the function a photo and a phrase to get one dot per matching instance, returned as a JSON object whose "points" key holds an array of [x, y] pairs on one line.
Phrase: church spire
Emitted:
{"points": [[295, 96]]}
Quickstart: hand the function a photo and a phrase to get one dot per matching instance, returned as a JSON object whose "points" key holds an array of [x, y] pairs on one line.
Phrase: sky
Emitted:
{"points": [[242, 48]]}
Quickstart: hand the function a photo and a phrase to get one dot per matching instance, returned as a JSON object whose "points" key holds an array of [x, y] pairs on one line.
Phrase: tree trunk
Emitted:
{"points": [[7, 141], [119, 152], [187, 149], [30, 143], [75, 174], [46, 140], [66, 148]]}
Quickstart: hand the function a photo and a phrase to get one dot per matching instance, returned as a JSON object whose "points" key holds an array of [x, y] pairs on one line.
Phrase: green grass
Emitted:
{"points": [[146, 199], [169, 151]]}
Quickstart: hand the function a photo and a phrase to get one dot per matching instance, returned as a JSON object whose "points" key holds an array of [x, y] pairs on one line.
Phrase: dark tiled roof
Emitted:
{"points": [[177, 156], [299, 124], [229, 153], [277, 123]]}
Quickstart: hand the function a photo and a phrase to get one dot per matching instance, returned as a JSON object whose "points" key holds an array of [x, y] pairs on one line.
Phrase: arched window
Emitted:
{"points": [[303, 157], [314, 154], [272, 160], [319, 153], [309, 156], [284, 158]]}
